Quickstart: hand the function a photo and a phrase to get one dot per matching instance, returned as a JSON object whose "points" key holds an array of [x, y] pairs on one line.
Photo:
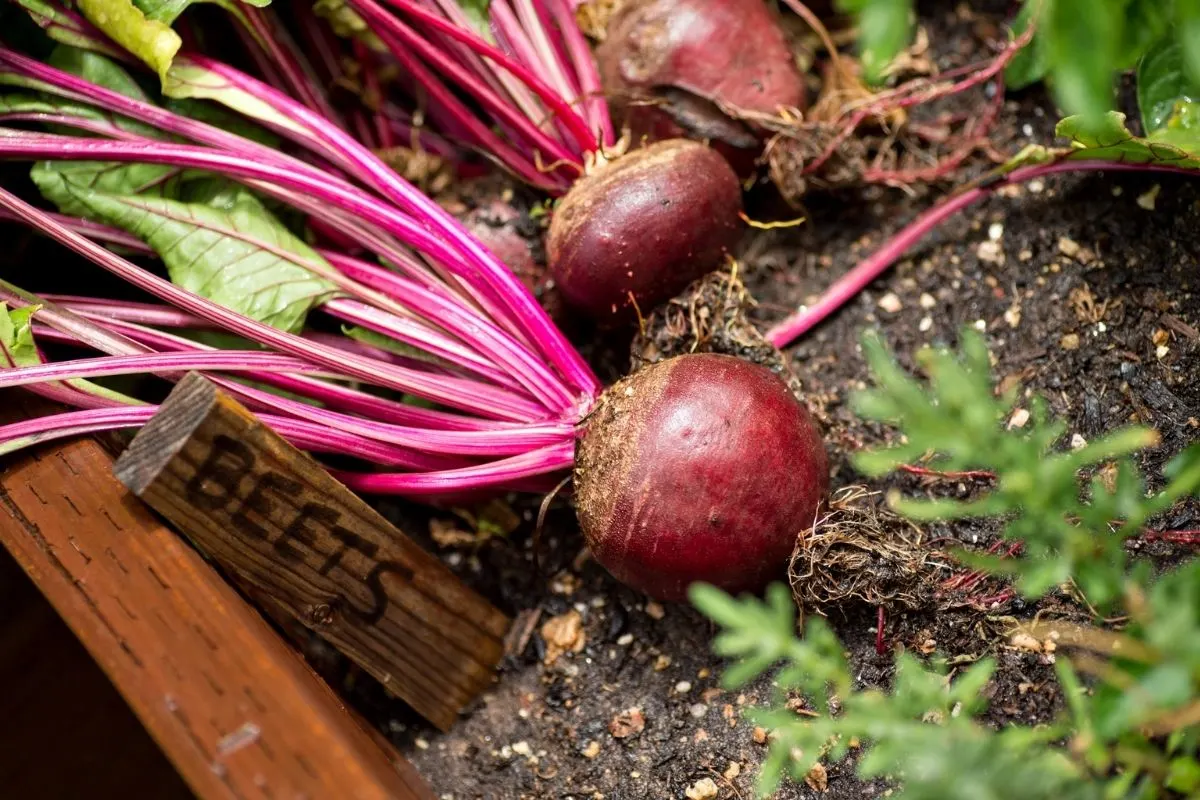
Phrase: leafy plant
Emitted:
{"points": [[1078, 45], [1134, 732]]}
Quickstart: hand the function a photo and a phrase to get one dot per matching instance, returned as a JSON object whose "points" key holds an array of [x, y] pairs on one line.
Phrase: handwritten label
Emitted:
{"points": [[220, 486]]}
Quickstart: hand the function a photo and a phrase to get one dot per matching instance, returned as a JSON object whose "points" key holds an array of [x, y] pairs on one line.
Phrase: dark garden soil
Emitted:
{"points": [[1084, 286]]}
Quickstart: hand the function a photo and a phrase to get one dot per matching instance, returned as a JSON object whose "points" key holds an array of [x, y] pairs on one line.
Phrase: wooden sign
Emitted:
{"points": [[275, 519], [236, 710]]}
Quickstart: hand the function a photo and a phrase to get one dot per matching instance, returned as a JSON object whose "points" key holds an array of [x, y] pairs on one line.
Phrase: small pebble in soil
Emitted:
{"points": [[592, 749], [703, 789], [1078, 442], [563, 634], [991, 252], [1147, 200], [655, 610], [890, 303], [625, 640], [627, 723], [759, 735], [698, 710], [683, 687], [1069, 342], [733, 770], [927, 301], [661, 663], [817, 778]]}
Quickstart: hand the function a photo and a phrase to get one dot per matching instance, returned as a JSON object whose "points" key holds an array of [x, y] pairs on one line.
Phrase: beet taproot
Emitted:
{"points": [[693, 67], [698, 468], [643, 226]]}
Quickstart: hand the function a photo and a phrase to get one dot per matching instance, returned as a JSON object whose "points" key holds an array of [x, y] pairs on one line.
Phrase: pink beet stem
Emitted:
{"points": [[849, 285]]}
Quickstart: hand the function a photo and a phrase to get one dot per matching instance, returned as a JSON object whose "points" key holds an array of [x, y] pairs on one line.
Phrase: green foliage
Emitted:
{"points": [[1133, 732], [215, 237], [141, 27], [956, 417], [1109, 139], [16, 337], [150, 40], [1078, 47], [884, 29], [226, 247], [477, 13]]}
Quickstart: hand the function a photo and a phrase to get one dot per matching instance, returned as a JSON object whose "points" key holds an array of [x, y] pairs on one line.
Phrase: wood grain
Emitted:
{"points": [[236, 711], [276, 520]]}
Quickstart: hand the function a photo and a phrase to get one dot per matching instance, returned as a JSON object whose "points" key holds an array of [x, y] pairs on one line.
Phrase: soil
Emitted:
{"points": [[1084, 286]]}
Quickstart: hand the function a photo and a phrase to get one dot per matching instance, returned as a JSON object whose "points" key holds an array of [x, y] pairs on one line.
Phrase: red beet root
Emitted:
{"points": [[645, 225], [497, 225], [698, 468], [672, 66]]}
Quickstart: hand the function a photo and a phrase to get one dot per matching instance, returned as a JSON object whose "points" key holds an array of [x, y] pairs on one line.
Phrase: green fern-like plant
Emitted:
{"points": [[1134, 732]]}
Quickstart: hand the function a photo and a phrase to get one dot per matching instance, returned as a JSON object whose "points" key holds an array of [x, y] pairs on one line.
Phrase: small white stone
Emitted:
{"points": [[625, 640], [1036, 186], [890, 303], [1018, 418], [421, 744], [995, 231], [1078, 442], [1068, 246], [703, 789], [990, 252], [522, 748], [927, 301], [925, 324], [698, 710], [1161, 351], [981, 325], [1148, 199], [683, 687]]}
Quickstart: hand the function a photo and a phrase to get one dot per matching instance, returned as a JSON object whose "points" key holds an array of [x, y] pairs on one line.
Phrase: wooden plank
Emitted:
{"points": [[275, 519], [232, 706], [67, 733]]}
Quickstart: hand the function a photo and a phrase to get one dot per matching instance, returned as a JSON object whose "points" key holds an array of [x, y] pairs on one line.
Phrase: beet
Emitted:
{"points": [[698, 468], [502, 229], [673, 68], [646, 224]]}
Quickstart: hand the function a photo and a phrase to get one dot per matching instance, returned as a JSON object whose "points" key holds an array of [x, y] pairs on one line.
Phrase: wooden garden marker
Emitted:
{"points": [[276, 520]]}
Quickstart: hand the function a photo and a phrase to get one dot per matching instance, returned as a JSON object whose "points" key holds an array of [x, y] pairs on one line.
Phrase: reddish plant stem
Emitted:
{"points": [[849, 285], [974, 474], [880, 648], [915, 93], [974, 138], [1189, 537]]}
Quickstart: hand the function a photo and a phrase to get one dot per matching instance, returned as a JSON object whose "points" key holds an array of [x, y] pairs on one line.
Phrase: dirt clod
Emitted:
{"points": [[627, 723], [563, 634], [703, 789]]}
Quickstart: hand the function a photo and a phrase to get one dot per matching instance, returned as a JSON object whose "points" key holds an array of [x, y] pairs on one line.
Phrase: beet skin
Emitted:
{"points": [[647, 224], [671, 66], [698, 468]]}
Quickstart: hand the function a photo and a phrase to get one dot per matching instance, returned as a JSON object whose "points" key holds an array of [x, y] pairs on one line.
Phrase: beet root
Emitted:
{"points": [[643, 226], [691, 67], [698, 468]]}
